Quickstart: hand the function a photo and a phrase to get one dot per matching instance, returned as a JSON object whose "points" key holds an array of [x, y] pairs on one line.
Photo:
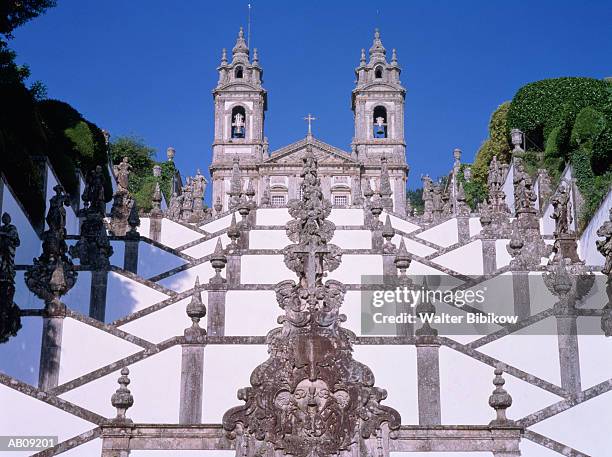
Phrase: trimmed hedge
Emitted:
{"points": [[540, 107]]}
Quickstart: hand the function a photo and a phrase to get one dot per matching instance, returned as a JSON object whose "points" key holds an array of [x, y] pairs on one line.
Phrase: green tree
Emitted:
{"points": [[496, 145], [14, 13]]}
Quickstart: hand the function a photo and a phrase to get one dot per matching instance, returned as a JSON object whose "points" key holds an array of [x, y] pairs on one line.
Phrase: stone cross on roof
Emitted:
{"points": [[310, 118]]}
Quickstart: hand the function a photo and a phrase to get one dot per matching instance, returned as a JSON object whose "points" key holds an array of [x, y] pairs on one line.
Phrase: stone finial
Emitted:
{"points": [[500, 400], [134, 219], [425, 311], [402, 258], [122, 399], [170, 153], [462, 207], [223, 57], [196, 311], [218, 206], [376, 208], [250, 190], [240, 49], [388, 233], [255, 58], [233, 233], [10, 321], [515, 246], [377, 50], [218, 261], [457, 155], [485, 218], [517, 140], [362, 59], [394, 57]]}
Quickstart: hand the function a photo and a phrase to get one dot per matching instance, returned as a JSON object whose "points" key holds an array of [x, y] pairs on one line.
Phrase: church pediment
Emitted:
{"points": [[326, 154]]}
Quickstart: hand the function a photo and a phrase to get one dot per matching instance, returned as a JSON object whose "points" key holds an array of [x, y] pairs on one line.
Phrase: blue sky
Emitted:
{"points": [[147, 67]]}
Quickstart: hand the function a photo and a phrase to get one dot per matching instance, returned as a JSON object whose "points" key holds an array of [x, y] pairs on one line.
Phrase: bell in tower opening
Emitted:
{"points": [[380, 122], [238, 122]]}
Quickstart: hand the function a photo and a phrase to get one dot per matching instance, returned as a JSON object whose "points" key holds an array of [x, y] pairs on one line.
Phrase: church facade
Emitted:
{"points": [[377, 147]]}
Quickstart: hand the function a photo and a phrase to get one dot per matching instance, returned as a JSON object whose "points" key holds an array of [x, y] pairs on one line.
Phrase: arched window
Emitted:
{"points": [[238, 72], [379, 122], [238, 122], [378, 72]]}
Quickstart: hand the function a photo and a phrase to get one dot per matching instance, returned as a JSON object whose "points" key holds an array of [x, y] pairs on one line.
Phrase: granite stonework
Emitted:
{"points": [[311, 396]]}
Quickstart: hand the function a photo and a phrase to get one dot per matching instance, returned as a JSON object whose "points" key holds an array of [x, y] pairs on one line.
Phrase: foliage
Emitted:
{"points": [[540, 107], [415, 197], [496, 145], [144, 194], [169, 171], [14, 13], [142, 182], [73, 143], [592, 177], [140, 156], [475, 191]]}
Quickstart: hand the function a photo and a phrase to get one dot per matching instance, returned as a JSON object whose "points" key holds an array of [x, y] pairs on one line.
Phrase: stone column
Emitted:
{"points": [[192, 362], [97, 298], [192, 382], [489, 256], [130, 255], [428, 373], [51, 346], [389, 268], [520, 289], [216, 308], [155, 227], [116, 446], [233, 269], [569, 355], [463, 228]]}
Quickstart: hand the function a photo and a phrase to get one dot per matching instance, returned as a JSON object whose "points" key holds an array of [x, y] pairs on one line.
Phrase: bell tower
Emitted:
{"points": [[378, 107], [240, 105]]}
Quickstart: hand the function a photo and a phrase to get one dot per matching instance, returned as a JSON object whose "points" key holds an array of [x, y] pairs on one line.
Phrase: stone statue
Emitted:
{"points": [[9, 242], [56, 216], [437, 204], [427, 199], [561, 210], [93, 194], [235, 192], [174, 208], [10, 314], [605, 246], [122, 174], [187, 201]]}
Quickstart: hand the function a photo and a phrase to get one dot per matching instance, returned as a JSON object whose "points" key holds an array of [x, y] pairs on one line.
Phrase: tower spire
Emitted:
{"points": [[377, 50], [240, 49]]}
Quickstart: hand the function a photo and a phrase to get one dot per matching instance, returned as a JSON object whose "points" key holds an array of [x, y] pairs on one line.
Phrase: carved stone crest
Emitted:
{"points": [[310, 397]]}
